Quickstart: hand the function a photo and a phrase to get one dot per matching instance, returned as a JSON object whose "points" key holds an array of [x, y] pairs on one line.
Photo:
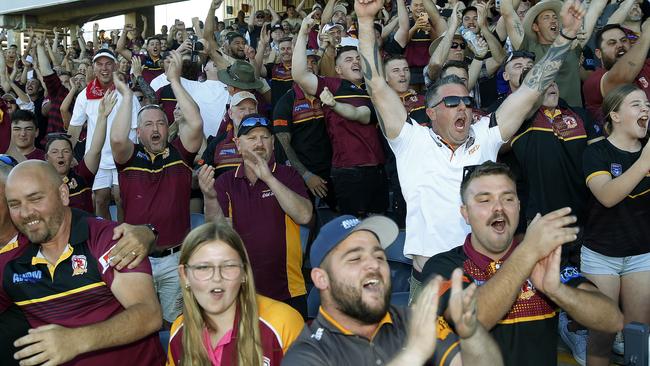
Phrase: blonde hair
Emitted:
{"points": [[249, 346], [612, 103]]}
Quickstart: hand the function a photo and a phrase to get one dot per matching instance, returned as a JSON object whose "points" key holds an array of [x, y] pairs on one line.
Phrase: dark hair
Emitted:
{"points": [[65, 72], [390, 58], [489, 167], [456, 64], [599, 34], [342, 49], [60, 137], [285, 39], [154, 38], [432, 92], [23, 115]]}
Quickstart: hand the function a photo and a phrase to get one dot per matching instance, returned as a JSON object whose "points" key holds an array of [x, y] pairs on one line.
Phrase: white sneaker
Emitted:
{"points": [[576, 341], [619, 345]]}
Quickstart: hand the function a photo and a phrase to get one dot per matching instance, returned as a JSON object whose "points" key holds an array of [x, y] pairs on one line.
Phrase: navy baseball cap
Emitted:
{"points": [[335, 231]]}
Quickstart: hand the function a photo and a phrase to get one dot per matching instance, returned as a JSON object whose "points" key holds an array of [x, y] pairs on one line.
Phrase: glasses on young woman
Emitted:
{"points": [[205, 272]]}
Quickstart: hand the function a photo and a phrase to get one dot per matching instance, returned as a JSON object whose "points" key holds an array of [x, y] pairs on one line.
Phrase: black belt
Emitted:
{"points": [[166, 252]]}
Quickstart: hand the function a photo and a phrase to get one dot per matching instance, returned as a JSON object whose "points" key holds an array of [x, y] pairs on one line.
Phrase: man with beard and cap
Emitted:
{"points": [[540, 28], [520, 285], [153, 169], [357, 325], [430, 184], [358, 175], [86, 109], [152, 62], [622, 64], [266, 202], [58, 274]]}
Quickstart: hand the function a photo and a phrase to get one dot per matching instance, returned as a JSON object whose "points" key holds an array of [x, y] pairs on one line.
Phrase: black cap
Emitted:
{"points": [[252, 121]]}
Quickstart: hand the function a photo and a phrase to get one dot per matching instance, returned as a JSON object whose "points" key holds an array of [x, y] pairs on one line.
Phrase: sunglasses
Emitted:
{"points": [[255, 122], [453, 101], [259, 16], [467, 171], [458, 44], [150, 106], [58, 135], [8, 160]]}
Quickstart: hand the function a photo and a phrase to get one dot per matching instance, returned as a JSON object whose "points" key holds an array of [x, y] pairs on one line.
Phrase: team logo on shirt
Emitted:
{"points": [[570, 122], [79, 265], [643, 82], [72, 183], [527, 290], [616, 169], [142, 155]]}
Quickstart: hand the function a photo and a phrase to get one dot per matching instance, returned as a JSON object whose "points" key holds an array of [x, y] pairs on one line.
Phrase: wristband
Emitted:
{"points": [[567, 37], [307, 175]]}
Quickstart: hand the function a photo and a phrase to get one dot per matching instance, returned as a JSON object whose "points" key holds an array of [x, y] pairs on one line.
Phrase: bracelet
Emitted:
{"points": [[307, 175], [567, 37]]}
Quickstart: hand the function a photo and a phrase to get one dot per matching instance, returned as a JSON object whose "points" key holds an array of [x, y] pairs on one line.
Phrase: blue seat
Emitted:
{"points": [[304, 237], [313, 303], [113, 210], [399, 298], [164, 339], [400, 266], [395, 251], [196, 219]]}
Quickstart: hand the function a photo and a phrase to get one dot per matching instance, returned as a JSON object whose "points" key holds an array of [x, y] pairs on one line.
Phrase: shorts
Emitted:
{"points": [[167, 285], [105, 178], [594, 263], [361, 190]]}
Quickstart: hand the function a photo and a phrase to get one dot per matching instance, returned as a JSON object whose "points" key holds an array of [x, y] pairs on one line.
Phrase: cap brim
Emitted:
{"points": [[385, 229], [107, 55], [225, 78], [532, 13]]}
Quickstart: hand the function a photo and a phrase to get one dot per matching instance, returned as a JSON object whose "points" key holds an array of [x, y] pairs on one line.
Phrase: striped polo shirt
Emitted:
{"points": [[80, 182], [271, 237], [279, 326], [155, 189], [74, 292]]}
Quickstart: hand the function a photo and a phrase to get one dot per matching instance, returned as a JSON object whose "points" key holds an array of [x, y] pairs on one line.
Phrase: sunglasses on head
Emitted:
{"points": [[453, 101], [467, 171], [58, 136], [255, 122], [149, 106], [458, 44], [8, 160]]}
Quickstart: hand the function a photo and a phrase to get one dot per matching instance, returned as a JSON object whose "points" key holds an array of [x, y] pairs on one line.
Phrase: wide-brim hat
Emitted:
{"points": [[241, 75], [434, 44], [532, 13]]}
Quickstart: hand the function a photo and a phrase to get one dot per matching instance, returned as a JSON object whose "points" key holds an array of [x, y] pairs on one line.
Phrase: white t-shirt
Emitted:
{"points": [[430, 174], [211, 96], [87, 110]]}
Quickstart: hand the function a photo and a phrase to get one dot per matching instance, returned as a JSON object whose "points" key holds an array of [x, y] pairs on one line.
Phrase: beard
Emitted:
{"points": [[52, 226], [350, 302]]}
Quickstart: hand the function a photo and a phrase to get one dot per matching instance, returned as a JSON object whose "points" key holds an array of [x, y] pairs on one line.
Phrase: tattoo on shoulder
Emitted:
{"points": [[543, 73], [518, 28]]}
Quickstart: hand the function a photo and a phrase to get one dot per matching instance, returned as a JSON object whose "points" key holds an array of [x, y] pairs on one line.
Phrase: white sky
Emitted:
{"points": [[165, 14]]}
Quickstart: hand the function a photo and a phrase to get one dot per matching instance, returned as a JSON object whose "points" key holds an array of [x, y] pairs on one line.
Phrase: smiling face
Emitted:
{"points": [[631, 119], [59, 155], [470, 21], [237, 46], [492, 210], [286, 51], [153, 130], [546, 27], [33, 87], [359, 278], [451, 123], [348, 66], [216, 295], [613, 46], [398, 75], [103, 68], [23, 134], [153, 48]]}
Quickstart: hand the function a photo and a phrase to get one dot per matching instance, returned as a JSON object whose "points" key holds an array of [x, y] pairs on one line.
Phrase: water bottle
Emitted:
{"points": [[469, 36]]}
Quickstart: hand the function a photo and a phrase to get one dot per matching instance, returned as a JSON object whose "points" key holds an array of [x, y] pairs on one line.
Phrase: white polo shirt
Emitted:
{"points": [[86, 110], [430, 174]]}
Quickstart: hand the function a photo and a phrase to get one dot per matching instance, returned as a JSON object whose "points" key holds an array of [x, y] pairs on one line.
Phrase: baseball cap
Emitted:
{"points": [[519, 54], [104, 52], [327, 27], [277, 26], [241, 96], [252, 121], [335, 231], [311, 52]]}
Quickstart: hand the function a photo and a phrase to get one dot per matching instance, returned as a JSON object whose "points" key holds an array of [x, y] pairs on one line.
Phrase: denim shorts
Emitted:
{"points": [[594, 263]]}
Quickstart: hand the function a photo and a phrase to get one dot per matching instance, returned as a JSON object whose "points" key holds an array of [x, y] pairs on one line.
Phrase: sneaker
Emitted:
{"points": [[576, 341], [619, 346]]}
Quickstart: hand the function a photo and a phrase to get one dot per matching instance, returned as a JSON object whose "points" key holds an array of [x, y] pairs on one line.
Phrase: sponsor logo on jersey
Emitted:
{"points": [[28, 277]]}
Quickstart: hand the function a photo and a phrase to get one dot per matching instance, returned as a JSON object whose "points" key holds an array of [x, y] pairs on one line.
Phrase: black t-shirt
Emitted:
{"points": [[280, 80], [304, 120], [527, 335], [391, 47], [549, 152], [621, 230], [13, 325]]}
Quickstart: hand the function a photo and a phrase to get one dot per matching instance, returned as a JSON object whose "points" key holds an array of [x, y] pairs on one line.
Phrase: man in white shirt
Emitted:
{"points": [[86, 110]]}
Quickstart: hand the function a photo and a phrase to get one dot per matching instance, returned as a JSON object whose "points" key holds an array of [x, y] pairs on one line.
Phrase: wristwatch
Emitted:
{"points": [[153, 230]]}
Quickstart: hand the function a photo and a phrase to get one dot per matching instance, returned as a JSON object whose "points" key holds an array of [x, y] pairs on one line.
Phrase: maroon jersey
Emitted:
{"points": [[80, 183], [56, 93], [5, 126], [76, 292], [37, 154], [155, 189]]}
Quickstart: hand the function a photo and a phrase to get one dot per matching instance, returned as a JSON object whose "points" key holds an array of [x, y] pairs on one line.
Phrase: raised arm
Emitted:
{"points": [[621, 13], [439, 55], [328, 11], [438, 22], [209, 26], [147, 91], [96, 43], [498, 53], [94, 153], [143, 34], [594, 11], [81, 42], [121, 43], [43, 61], [514, 29], [275, 18], [121, 146], [626, 69], [299, 9], [307, 81], [191, 130], [402, 34], [510, 114], [390, 110], [251, 18], [262, 45]]}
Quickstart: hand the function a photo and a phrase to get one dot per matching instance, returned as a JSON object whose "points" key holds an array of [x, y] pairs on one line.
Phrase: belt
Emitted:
{"points": [[166, 252]]}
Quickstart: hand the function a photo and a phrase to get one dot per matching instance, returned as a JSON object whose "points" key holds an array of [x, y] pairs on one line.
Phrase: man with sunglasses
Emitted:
{"points": [[266, 203], [430, 161], [521, 285], [155, 178]]}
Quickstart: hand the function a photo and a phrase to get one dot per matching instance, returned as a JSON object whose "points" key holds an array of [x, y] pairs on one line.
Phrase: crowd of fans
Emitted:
{"points": [[506, 141]]}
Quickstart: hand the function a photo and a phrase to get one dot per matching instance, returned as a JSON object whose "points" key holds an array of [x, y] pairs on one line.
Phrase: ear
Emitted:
{"points": [[64, 194], [535, 27], [182, 275], [337, 69], [320, 278], [236, 140], [505, 75], [614, 116], [431, 113], [463, 212], [599, 54]]}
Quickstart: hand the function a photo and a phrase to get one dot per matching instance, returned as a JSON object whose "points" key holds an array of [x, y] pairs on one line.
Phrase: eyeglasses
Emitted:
{"points": [[453, 101], [518, 54], [458, 44], [8, 160], [205, 272], [255, 122]]}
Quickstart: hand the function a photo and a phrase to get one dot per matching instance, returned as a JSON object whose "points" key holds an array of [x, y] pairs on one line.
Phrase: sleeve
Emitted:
{"points": [[490, 127], [208, 153], [405, 142], [223, 195], [53, 85], [283, 113], [305, 354], [175, 345], [188, 157], [448, 345], [443, 264], [594, 163], [128, 162], [83, 172], [101, 242], [158, 82], [295, 182], [79, 116], [331, 83]]}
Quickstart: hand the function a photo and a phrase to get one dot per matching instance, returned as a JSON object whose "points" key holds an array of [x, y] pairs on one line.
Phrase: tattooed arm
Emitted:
{"points": [[390, 110], [510, 115], [307, 81], [514, 29]]}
